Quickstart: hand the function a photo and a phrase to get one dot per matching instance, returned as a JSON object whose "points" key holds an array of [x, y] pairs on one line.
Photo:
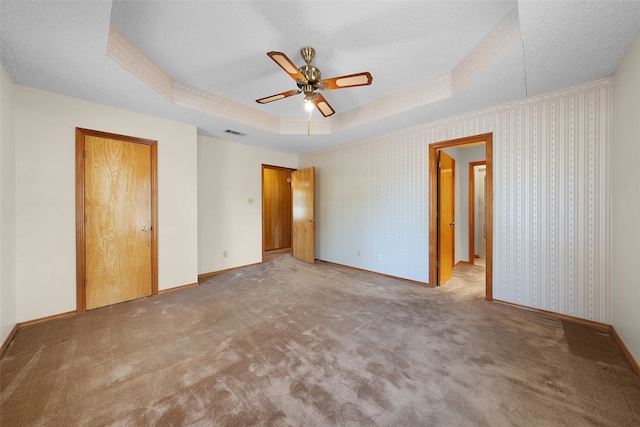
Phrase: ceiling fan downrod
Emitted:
{"points": [[310, 72], [307, 54]]}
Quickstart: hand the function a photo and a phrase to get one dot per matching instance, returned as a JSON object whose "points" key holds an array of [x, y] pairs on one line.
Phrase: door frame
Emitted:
{"points": [[487, 139], [265, 166], [81, 297], [472, 209]]}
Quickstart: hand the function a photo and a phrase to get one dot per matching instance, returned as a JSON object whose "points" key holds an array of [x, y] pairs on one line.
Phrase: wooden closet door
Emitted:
{"points": [[118, 222]]}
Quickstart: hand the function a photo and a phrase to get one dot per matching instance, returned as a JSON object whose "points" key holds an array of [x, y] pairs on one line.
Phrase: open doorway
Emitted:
{"points": [[477, 213], [277, 208], [434, 220]]}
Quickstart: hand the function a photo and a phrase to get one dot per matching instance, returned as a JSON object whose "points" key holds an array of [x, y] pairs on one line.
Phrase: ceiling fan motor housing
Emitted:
{"points": [[311, 73]]}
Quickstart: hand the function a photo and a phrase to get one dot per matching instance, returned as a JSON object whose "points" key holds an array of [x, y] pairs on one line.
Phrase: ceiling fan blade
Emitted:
{"points": [[278, 96], [323, 106], [285, 63], [351, 80]]}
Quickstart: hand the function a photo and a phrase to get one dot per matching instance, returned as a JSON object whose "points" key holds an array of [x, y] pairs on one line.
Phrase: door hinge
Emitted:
{"points": [[84, 154], [437, 265], [85, 283], [85, 219]]}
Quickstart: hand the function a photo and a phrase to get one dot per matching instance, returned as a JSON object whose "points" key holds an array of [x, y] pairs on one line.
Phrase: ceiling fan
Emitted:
{"points": [[308, 79]]}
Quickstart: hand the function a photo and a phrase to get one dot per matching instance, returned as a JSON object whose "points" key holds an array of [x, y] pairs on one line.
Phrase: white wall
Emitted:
{"points": [[463, 156], [7, 205], [45, 232], [229, 174], [550, 226], [625, 185], [371, 205]]}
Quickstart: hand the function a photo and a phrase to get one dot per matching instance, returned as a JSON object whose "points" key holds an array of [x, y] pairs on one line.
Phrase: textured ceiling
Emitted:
{"points": [[429, 59]]}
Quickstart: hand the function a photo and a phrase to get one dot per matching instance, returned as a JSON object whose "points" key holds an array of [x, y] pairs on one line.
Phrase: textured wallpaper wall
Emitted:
{"points": [[551, 222]]}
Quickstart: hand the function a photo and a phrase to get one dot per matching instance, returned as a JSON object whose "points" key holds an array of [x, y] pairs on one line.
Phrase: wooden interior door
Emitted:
{"points": [[446, 216], [118, 220], [276, 207], [303, 187]]}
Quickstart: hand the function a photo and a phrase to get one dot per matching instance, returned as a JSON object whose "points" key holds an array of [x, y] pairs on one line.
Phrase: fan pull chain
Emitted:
{"points": [[309, 124]]}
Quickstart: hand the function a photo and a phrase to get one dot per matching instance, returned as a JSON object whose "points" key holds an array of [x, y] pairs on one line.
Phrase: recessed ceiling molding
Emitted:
{"points": [[414, 97], [298, 126], [494, 45], [599, 84], [440, 130], [125, 53], [132, 59], [498, 41], [210, 103]]}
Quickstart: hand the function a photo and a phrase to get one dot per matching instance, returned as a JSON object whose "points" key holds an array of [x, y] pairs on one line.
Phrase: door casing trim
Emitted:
{"points": [[81, 299], [487, 139]]}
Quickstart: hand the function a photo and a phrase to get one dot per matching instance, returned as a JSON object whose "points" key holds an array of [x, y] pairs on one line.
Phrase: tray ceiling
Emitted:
{"points": [[205, 63]]}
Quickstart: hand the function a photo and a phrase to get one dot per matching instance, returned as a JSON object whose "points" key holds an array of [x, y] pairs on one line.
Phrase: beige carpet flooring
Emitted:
{"points": [[287, 343]]}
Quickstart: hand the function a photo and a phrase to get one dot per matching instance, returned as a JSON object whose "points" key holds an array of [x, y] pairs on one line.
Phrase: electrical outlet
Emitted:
{"points": [[224, 254]]}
